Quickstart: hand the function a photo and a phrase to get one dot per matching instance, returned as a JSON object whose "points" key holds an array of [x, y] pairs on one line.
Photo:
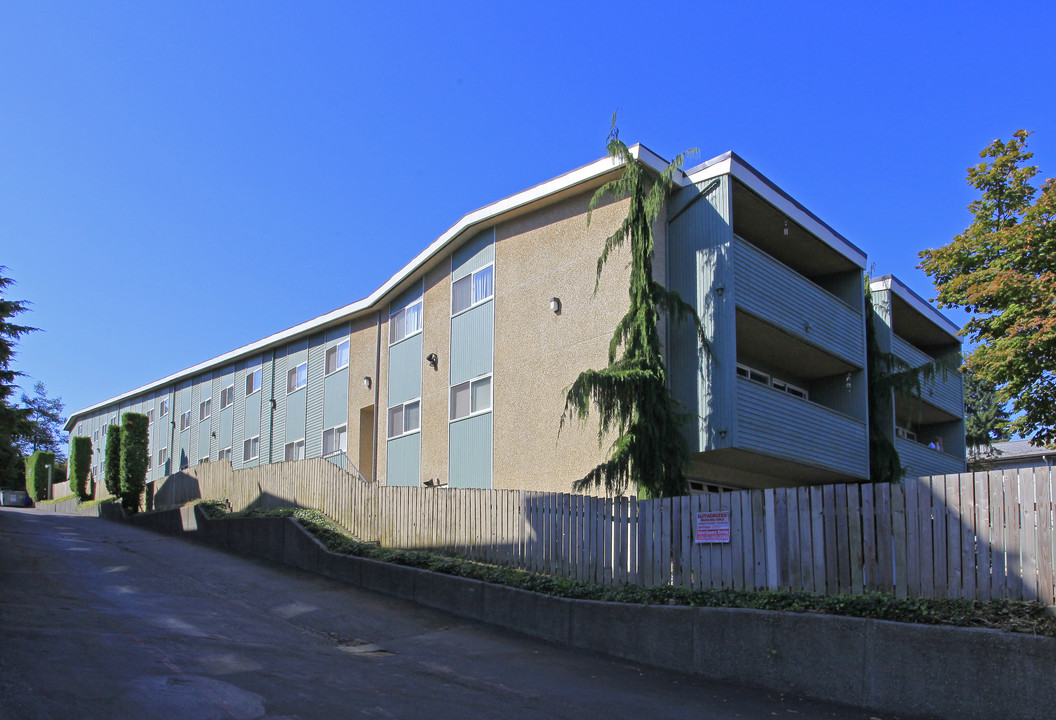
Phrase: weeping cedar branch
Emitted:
{"points": [[631, 395]]}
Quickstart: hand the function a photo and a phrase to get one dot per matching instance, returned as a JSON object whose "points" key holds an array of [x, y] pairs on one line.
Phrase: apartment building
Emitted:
{"points": [[453, 372]]}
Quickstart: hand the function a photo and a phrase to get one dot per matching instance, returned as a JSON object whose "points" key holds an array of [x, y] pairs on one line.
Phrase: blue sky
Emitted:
{"points": [[179, 179]]}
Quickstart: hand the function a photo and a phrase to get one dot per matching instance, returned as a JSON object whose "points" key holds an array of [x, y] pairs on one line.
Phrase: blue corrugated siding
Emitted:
{"points": [[920, 460], [192, 451], [238, 417], [313, 435], [944, 391], [184, 402], [278, 440], [781, 426], [405, 370], [472, 343], [335, 399], [469, 462], [784, 298], [699, 238], [267, 382], [474, 255], [403, 460]]}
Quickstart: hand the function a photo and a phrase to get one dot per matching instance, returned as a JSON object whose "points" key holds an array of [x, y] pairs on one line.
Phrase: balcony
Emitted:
{"points": [[920, 460], [782, 297], [780, 425], [945, 391]]}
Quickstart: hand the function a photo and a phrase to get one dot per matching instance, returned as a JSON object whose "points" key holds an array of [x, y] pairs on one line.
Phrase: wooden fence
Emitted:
{"points": [[987, 535]]}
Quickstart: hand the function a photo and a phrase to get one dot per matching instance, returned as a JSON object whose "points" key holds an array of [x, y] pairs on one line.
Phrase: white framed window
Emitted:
{"points": [[203, 460], [163, 457], [205, 409], [473, 289], [405, 322], [252, 381], [163, 408], [297, 378], [294, 450], [227, 396], [185, 421], [150, 417], [764, 379], [95, 437], [337, 357], [335, 440], [225, 454], [251, 448], [471, 398], [150, 462], [405, 418]]}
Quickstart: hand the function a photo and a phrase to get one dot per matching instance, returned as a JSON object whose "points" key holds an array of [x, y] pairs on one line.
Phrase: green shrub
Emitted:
{"points": [[80, 465], [134, 454], [112, 468], [37, 474]]}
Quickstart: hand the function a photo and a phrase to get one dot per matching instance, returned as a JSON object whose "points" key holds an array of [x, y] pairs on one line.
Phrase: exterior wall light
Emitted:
{"points": [[366, 382], [433, 360], [847, 382], [555, 305], [786, 228]]}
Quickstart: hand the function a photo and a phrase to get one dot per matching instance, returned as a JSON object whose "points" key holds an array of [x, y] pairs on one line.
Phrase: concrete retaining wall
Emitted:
{"points": [[943, 672]]}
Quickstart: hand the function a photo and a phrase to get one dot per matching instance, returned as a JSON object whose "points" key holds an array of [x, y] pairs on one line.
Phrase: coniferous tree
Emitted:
{"points": [[43, 427], [986, 420], [631, 395], [12, 418]]}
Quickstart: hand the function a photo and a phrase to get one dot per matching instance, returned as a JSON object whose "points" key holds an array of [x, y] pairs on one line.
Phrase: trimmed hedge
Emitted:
{"points": [[37, 474], [80, 465], [112, 469], [134, 453]]}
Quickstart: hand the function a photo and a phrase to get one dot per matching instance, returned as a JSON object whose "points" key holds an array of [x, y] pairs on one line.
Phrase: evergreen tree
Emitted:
{"points": [[631, 395], [12, 418], [986, 420], [44, 423]]}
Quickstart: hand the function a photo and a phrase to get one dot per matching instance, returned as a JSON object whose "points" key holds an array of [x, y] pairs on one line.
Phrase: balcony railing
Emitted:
{"points": [[780, 425], [782, 297], [945, 390], [920, 460]]}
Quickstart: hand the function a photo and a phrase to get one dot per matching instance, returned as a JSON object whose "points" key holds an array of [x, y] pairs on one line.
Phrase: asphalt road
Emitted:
{"points": [[103, 620]]}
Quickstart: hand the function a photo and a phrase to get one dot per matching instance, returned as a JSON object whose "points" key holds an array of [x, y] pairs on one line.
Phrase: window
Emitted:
{"points": [[150, 417], [203, 460], [764, 379], [185, 421], [297, 378], [164, 408], [470, 398], [405, 322], [150, 461], [163, 457], [472, 289], [95, 437], [252, 381], [335, 440], [225, 454], [206, 409], [251, 448], [295, 451], [227, 396], [753, 374], [404, 418], [337, 357]]}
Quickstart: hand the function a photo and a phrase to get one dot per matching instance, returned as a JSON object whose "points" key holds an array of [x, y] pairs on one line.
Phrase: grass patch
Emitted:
{"points": [[1008, 615]]}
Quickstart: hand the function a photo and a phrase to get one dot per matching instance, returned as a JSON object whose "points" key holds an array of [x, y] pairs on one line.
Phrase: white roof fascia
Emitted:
{"points": [[892, 283], [730, 164], [525, 197]]}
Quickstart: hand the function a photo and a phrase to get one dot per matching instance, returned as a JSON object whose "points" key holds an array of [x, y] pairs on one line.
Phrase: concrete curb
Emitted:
{"points": [[942, 672]]}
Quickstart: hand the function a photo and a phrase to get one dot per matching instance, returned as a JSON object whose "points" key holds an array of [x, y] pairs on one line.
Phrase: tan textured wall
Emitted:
{"points": [[538, 354], [362, 362], [382, 413], [436, 339]]}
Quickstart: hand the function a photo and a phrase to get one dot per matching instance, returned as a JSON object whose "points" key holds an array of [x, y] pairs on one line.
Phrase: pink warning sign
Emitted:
{"points": [[713, 527]]}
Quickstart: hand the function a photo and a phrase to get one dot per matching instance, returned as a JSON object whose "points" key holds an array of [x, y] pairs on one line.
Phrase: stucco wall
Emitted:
{"points": [[362, 362], [551, 253], [437, 334]]}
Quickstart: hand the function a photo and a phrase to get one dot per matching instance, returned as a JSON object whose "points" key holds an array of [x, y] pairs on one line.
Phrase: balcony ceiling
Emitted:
{"points": [[749, 470], [758, 221], [758, 339], [919, 330]]}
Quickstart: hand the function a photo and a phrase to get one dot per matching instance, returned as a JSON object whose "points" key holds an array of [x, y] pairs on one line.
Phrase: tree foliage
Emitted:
{"points": [[631, 395], [1002, 269], [134, 451], [112, 460], [37, 468], [986, 420], [80, 465], [43, 423], [12, 418]]}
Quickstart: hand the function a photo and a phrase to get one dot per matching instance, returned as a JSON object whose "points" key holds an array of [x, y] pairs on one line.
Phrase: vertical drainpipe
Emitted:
{"points": [[271, 411], [377, 399]]}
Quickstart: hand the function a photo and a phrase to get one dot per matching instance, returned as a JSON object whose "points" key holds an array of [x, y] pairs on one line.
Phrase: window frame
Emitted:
{"points": [[403, 408], [205, 409], [227, 393], [185, 421], [163, 456], [782, 386], [224, 454], [163, 409], [256, 376], [472, 413], [344, 428], [472, 302], [337, 350], [292, 370], [246, 445], [403, 311], [286, 448]]}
